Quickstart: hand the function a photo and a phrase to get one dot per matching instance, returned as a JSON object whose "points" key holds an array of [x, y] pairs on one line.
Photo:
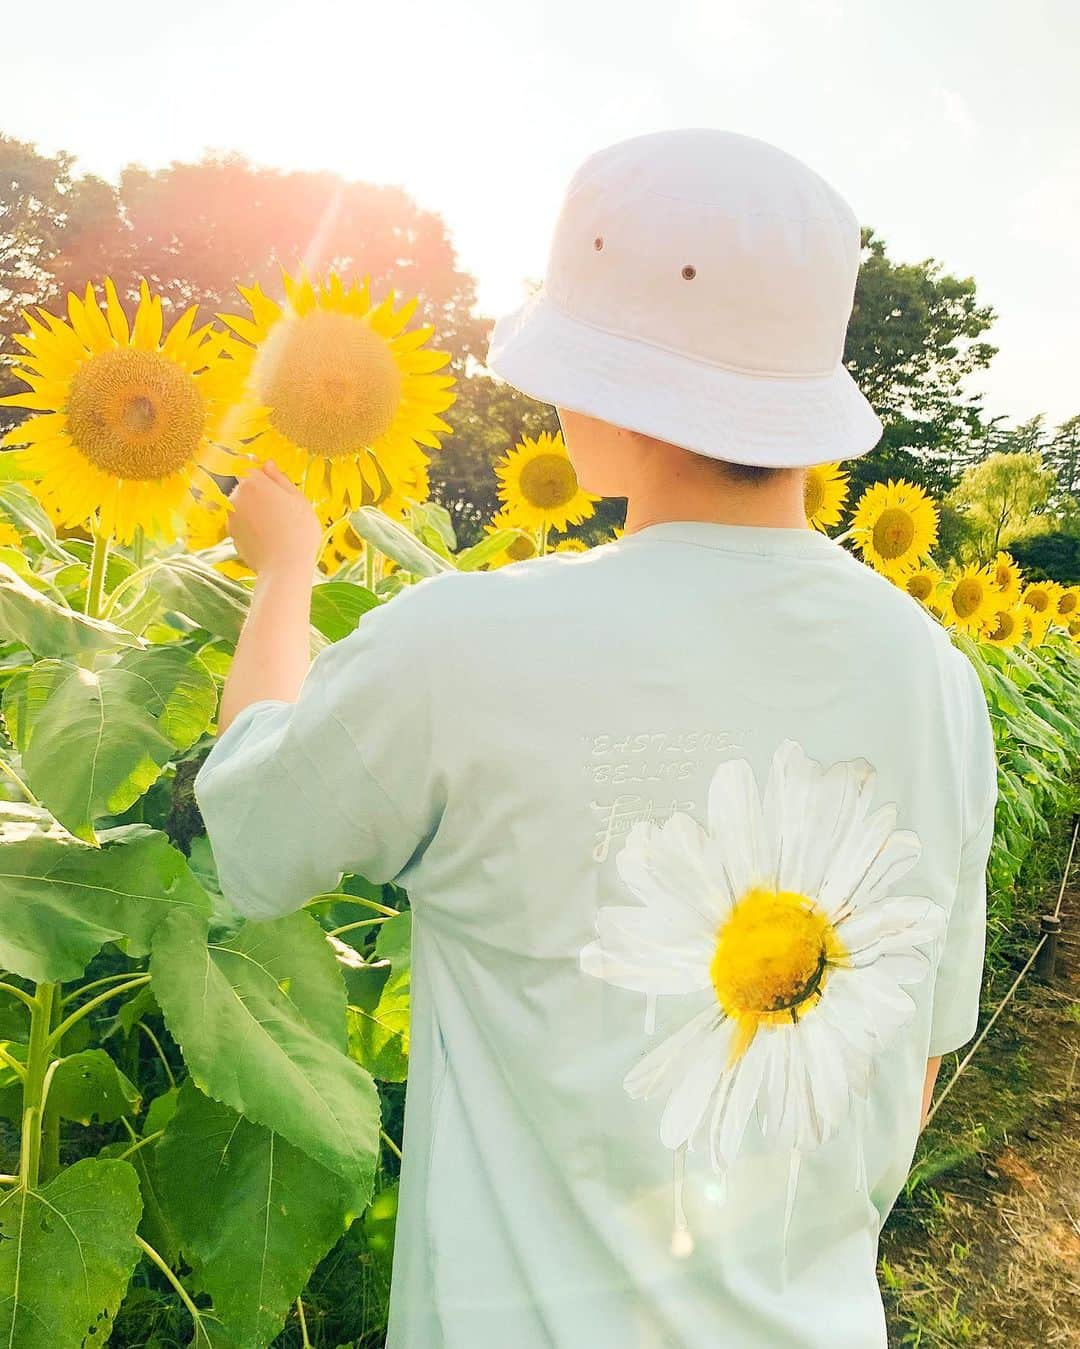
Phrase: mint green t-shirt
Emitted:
{"points": [[695, 828]]}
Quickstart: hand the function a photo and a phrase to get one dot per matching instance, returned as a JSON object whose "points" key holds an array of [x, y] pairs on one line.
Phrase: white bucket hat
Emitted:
{"points": [[698, 290]]}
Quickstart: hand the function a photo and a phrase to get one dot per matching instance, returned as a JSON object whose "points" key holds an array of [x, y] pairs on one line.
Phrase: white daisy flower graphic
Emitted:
{"points": [[784, 908]]}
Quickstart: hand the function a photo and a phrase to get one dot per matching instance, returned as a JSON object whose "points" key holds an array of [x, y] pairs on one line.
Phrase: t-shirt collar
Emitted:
{"points": [[766, 539]]}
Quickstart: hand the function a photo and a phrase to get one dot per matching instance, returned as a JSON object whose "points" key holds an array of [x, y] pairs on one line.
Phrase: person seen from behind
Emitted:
{"points": [[694, 825]]}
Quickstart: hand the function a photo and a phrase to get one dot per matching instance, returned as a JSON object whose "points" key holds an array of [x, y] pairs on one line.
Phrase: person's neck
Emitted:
{"points": [[778, 504]]}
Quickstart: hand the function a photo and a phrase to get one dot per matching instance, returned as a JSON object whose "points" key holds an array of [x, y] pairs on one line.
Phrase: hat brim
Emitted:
{"points": [[776, 421]]}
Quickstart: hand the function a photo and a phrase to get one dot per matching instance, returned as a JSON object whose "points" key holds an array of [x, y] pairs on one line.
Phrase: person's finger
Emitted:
{"points": [[275, 474]]}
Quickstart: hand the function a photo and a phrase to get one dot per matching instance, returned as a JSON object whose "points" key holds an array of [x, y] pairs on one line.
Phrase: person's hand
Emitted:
{"points": [[273, 524]]}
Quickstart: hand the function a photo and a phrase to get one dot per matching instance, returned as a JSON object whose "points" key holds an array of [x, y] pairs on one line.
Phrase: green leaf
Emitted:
{"points": [[431, 518], [61, 901], [49, 629], [89, 1085], [261, 1022], [66, 1254], [22, 509], [337, 607], [252, 1237], [92, 742], [490, 546], [397, 542], [379, 1025], [191, 587]]}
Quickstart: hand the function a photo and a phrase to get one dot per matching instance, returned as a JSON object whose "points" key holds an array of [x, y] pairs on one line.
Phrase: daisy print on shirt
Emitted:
{"points": [[785, 908]]}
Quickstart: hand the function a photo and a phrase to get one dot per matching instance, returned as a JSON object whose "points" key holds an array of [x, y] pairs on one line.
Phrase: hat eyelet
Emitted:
{"points": [[598, 242], [688, 272]]}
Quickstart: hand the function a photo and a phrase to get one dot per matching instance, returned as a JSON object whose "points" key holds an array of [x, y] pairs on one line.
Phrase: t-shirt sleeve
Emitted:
{"points": [[959, 975], [294, 794]]}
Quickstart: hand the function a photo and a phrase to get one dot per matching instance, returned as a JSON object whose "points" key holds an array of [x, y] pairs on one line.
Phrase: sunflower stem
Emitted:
{"points": [[138, 546], [543, 539], [95, 587]]}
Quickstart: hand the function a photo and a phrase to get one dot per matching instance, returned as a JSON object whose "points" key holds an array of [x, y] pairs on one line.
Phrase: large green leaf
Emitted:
{"points": [[60, 900], [337, 607], [261, 1022], [254, 1235], [66, 1255], [397, 542], [88, 1086], [379, 1011], [49, 629], [92, 742], [201, 593]]}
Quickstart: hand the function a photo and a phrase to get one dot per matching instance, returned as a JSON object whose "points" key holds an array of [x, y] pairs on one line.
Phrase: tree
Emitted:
{"points": [[1062, 454], [1004, 498], [195, 231], [1053, 556], [913, 340], [45, 215]]}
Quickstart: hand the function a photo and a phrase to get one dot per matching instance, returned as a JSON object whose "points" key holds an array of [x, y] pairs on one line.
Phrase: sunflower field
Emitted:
{"points": [[173, 1080]]}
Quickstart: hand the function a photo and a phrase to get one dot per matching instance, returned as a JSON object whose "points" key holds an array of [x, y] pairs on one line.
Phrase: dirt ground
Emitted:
{"points": [[983, 1251]]}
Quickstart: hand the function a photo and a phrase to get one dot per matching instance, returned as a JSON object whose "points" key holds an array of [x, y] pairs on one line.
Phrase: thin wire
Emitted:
{"points": [[1015, 984]]}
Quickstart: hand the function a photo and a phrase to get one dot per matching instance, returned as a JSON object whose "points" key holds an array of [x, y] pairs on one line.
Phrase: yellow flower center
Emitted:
{"points": [[1004, 627], [521, 548], [894, 533], [135, 414], [330, 381], [1074, 627], [1039, 600], [813, 493], [920, 585], [968, 596], [772, 955], [548, 481]]}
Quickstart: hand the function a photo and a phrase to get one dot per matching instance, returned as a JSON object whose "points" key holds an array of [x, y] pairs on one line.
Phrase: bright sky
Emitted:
{"points": [[950, 125]]}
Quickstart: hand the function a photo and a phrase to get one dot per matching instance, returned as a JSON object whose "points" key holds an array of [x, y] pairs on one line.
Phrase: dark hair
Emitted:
{"points": [[747, 473]]}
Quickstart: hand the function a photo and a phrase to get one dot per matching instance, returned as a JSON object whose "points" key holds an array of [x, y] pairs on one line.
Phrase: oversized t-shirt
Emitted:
{"points": [[695, 828]]}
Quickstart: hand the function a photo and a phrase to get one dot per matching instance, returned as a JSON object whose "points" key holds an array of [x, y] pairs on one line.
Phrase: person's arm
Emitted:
{"points": [[932, 1066], [322, 767], [277, 533]]}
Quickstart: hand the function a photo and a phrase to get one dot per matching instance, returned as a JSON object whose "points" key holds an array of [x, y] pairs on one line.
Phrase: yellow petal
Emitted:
{"points": [[118, 324]]}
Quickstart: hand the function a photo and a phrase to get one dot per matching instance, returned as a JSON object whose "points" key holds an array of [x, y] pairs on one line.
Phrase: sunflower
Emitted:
{"points": [[1068, 603], [1073, 626], [1037, 625], [922, 585], [1042, 598], [1006, 628], [336, 392], [9, 536], [894, 526], [825, 494], [570, 546], [539, 487], [126, 416], [970, 599], [519, 550], [1007, 577]]}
